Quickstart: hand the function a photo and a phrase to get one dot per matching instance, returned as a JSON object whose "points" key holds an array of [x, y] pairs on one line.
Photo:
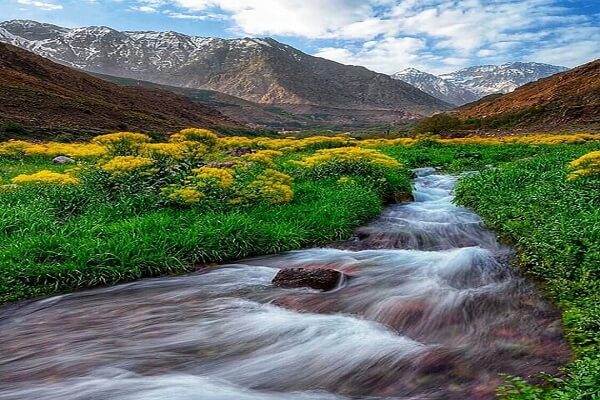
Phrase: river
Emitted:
{"points": [[430, 309]]}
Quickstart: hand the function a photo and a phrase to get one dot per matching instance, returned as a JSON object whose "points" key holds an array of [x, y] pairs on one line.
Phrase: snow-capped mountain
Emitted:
{"points": [[489, 79], [436, 86], [259, 70]]}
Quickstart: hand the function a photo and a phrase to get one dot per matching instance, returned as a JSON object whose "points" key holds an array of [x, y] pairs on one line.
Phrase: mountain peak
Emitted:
{"points": [[256, 69], [490, 79], [435, 86]]}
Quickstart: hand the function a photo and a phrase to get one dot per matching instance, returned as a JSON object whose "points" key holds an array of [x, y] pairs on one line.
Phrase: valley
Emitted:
{"points": [[249, 201]]}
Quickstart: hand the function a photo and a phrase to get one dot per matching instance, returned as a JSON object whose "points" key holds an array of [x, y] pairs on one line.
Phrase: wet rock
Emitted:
{"points": [[321, 279], [222, 164], [403, 197], [240, 151], [400, 197], [62, 160]]}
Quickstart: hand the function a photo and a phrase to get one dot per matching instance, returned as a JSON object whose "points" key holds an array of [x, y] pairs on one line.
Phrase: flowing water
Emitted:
{"points": [[430, 309]]}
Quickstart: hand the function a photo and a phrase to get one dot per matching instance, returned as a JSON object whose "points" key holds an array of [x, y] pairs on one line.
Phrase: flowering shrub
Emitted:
{"points": [[272, 187], [206, 176], [264, 157], [588, 164], [182, 195], [121, 166], [46, 177], [348, 161], [157, 150], [200, 135], [122, 143], [20, 149]]}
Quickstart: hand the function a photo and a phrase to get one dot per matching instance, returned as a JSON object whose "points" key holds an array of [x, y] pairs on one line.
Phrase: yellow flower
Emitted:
{"points": [[222, 177], [46, 177], [345, 180], [349, 155], [129, 137], [272, 187], [204, 136], [184, 195], [262, 157], [588, 164], [124, 165], [173, 150]]}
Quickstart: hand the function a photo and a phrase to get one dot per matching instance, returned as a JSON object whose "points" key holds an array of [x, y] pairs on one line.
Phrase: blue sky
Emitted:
{"points": [[384, 35]]}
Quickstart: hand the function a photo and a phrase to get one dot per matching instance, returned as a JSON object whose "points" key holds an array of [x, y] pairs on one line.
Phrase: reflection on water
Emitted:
{"points": [[430, 310]]}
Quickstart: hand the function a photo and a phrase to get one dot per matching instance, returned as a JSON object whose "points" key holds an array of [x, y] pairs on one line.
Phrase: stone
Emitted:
{"points": [[62, 160], [240, 151], [402, 197], [321, 279]]}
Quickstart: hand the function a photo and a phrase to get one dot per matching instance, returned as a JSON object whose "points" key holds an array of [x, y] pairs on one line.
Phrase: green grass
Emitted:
{"points": [[555, 226], [66, 238]]}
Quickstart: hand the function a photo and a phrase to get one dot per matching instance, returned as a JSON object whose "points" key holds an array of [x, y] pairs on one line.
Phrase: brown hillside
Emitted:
{"points": [[571, 97], [39, 93]]}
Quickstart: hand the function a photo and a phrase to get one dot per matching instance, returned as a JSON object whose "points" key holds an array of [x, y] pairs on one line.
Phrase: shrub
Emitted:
{"points": [[588, 164], [46, 177], [200, 135], [439, 123]]}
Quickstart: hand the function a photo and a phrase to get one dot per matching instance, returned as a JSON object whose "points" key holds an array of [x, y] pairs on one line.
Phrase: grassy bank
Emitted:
{"points": [[132, 208], [554, 224]]}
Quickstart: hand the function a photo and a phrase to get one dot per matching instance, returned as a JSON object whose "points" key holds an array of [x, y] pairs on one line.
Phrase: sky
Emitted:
{"points": [[435, 36]]}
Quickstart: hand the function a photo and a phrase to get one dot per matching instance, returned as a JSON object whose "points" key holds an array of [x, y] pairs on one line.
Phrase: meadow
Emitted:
{"points": [[129, 207]]}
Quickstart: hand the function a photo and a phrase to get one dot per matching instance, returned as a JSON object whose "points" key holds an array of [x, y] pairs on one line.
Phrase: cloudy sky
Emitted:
{"points": [[384, 35]]}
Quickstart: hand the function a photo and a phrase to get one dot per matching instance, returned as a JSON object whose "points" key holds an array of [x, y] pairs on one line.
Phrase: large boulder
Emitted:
{"points": [[321, 279], [62, 160]]}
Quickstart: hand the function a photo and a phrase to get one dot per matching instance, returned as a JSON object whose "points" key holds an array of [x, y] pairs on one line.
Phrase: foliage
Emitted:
{"points": [[587, 164], [46, 177], [142, 208], [438, 123]]}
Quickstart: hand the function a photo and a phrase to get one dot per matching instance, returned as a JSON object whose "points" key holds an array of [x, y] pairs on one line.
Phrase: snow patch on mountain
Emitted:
{"points": [[489, 79], [435, 86]]}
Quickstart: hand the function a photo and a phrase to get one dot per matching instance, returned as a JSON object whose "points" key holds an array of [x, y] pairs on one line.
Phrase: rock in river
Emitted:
{"points": [[322, 279]]}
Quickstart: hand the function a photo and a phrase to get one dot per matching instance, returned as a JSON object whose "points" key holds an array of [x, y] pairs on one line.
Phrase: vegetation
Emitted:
{"points": [[132, 207], [553, 219]]}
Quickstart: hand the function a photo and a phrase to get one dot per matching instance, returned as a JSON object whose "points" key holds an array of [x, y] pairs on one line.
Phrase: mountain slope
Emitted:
{"points": [[436, 86], [39, 93], [278, 117], [259, 70], [489, 79], [571, 97]]}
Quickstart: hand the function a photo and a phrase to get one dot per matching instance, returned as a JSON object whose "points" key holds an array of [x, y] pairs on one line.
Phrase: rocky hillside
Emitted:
{"points": [[259, 70], [568, 98], [277, 117], [38, 93], [436, 86], [489, 79]]}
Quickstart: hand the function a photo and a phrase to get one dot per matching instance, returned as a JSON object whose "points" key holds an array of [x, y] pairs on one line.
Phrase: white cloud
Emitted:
{"points": [[388, 35], [41, 4]]}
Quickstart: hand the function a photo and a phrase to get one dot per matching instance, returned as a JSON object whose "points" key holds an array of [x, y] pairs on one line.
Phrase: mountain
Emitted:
{"points": [[436, 86], [567, 98], [266, 116], [489, 79], [38, 93], [259, 70]]}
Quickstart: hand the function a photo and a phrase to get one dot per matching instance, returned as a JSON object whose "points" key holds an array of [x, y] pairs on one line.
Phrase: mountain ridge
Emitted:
{"points": [[473, 83], [570, 97], [261, 70], [38, 93]]}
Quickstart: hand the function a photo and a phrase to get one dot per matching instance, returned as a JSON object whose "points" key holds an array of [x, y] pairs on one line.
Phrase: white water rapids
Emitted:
{"points": [[431, 310]]}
